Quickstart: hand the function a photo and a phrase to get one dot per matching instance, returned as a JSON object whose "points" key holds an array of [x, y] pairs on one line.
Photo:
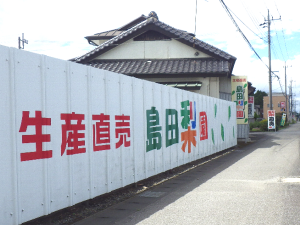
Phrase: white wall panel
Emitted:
{"points": [[8, 178], [93, 133]]}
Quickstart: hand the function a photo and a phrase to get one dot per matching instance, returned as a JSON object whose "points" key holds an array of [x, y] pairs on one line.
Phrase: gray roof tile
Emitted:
{"points": [[170, 66]]}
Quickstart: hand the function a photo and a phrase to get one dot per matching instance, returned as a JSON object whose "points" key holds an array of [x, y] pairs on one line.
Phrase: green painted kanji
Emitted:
{"points": [[185, 112], [212, 136], [172, 133], [222, 132], [215, 110], [153, 130]]}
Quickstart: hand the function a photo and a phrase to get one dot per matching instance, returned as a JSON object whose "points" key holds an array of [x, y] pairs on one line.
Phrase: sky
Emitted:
{"points": [[57, 29]]}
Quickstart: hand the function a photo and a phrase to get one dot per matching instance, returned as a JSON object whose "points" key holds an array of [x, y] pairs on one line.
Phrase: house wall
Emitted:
{"points": [[225, 88], [210, 85], [276, 105], [168, 49]]}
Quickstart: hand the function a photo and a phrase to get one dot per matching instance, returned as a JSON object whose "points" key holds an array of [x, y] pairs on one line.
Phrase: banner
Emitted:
{"points": [[251, 107], [271, 119], [239, 92], [283, 118]]}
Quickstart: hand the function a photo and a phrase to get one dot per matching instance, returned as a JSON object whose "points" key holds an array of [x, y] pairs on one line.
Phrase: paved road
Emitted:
{"points": [[247, 186]]}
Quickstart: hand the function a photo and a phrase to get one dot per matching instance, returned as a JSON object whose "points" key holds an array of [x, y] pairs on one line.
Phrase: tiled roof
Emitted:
{"points": [[110, 33], [175, 33], [170, 66]]}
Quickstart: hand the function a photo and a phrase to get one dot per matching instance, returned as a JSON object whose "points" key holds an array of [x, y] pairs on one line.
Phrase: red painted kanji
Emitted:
{"points": [[38, 138], [101, 132], [188, 137], [122, 130], [71, 135], [203, 126]]}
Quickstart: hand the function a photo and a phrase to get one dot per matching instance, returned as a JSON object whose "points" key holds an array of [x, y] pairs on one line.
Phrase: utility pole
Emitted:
{"points": [[23, 41], [286, 96], [291, 100], [268, 23], [285, 87], [270, 76]]}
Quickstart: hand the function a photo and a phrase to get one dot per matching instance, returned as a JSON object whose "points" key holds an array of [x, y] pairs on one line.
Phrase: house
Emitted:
{"points": [[279, 104], [149, 49]]}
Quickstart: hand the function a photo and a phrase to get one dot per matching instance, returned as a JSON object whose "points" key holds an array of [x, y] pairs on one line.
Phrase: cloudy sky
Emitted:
{"points": [[57, 29]]}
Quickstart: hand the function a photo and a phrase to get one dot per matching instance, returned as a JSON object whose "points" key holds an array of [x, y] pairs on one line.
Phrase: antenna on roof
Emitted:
{"points": [[23, 41]]}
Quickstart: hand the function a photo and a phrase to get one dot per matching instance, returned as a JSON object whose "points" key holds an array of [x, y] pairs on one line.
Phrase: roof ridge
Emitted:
{"points": [[177, 32]]}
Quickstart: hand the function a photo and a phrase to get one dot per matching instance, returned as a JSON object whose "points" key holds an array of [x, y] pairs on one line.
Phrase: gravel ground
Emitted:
{"points": [[85, 209]]}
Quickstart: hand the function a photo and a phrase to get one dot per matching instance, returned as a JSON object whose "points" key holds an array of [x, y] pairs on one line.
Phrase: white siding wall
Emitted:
{"points": [[35, 83], [152, 50]]}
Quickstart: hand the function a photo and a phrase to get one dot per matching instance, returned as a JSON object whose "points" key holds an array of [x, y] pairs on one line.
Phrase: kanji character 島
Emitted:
{"points": [[153, 130]]}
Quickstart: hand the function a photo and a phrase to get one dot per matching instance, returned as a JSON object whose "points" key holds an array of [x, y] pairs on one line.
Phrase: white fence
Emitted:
{"points": [[70, 132]]}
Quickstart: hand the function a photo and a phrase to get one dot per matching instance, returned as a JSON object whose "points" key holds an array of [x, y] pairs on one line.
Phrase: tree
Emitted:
{"points": [[258, 98]]}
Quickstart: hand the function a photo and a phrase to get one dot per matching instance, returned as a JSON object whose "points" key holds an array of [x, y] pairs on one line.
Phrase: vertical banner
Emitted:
{"points": [[271, 120], [251, 107], [283, 118], [239, 95]]}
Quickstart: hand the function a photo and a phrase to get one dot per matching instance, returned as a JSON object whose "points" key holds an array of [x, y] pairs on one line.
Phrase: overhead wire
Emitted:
{"points": [[244, 37], [282, 32], [254, 21]]}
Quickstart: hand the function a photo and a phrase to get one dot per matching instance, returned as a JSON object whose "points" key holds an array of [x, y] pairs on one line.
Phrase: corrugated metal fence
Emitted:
{"points": [[69, 132]]}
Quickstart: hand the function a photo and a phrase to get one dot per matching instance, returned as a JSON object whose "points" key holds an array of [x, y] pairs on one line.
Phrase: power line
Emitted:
{"points": [[247, 26], [196, 19], [236, 25], [283, 33]]}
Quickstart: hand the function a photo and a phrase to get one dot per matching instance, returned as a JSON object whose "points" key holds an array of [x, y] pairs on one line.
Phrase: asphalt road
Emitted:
{"points": [[253, 184]]}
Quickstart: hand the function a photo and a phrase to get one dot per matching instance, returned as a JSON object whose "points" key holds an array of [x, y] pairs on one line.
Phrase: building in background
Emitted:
{"points": [[149, 49], [279, 104]]}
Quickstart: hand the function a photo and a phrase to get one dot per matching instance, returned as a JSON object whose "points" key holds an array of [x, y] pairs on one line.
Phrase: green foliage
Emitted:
{"points": [[258, 97], [263, 125], [278, 120], [293, 121], [255, 116], [254, 125]]}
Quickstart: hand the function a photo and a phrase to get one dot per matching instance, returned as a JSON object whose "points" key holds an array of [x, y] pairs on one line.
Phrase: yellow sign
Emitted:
{"points": [[239, 95]]}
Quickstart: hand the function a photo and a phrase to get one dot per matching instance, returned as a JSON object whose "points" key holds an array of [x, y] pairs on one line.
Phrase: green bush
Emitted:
{"points": [[254, 125], [263, 125]]}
